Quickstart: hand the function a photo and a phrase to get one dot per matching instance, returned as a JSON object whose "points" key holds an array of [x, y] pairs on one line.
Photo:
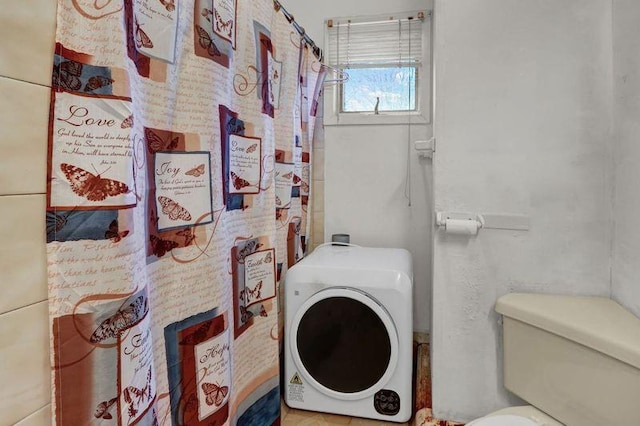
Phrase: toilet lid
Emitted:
{"points": [[504, 420]]}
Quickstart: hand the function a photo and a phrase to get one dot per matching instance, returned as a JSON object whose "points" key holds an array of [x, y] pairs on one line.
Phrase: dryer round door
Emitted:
{"points": [[344, 343]]}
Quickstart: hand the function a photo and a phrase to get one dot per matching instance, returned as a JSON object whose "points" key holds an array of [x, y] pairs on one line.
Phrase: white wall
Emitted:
{"points": [[626, 250], [523, 122], [365, 167], [26, 59]]}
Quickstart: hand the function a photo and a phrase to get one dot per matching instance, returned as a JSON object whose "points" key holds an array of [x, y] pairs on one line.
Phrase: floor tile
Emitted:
{"points": [[27, 31], [25, 369], [24, 120], [23, 256], [42, 417]]}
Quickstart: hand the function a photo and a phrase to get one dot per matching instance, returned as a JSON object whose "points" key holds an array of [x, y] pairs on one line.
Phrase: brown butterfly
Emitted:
{"points": [[188, 235], [174, 210], [96, 82], [196, 171], [238, 182], [67, 75], [268, 258], [141, 395], [227, 27], [245, 314], [154, 218], [169, 5], [127, 122], [198, 336], [123, 319], [248, 294], [142, 39], [103, 409], [206, 42], [252, 148], [113, 234], [91, 186], [156, 143], [215, 393], [263, 311], [57, 221], [160, 247], [249, 248]]}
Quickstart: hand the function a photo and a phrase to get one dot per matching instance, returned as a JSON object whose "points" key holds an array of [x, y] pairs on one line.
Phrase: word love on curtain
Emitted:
{"points": [[178, 186]]}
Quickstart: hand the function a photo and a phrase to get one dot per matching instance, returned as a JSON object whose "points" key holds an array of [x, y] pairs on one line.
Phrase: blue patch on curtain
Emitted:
{"points": [[74, 225], [265, 411], [72, 76]]}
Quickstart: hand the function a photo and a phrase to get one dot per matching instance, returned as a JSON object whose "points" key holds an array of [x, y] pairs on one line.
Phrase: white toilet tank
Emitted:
{"points": [[575, 358]]}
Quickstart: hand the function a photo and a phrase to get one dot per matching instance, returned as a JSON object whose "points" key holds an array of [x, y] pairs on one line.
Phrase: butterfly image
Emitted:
{"points": [[97, 82], [268, 258], [91, 186], [206, 42], [168, 4], [245, 314], [142, 39], [135, 396], [188, 236], [196, 171], [127, 122], [174, 210], [154, 218], [263, 311], [160, 247], [123, 319], [103, 409], [67, 74], [247, 294], [113, 234], [198, 336], [249, 248], [222, 26], [252, 148], [156, 143], [214, 393], [57, 221], [238, 182]]}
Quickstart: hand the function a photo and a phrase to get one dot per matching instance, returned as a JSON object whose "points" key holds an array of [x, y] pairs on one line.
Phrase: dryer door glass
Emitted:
{"points": [[343, 344]]}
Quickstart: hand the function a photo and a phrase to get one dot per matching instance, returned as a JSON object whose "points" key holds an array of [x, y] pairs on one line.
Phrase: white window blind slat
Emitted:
{"points": [[389, 42]]}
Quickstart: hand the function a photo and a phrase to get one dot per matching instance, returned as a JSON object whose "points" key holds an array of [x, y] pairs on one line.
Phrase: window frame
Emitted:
{"points": [[333, 92]]}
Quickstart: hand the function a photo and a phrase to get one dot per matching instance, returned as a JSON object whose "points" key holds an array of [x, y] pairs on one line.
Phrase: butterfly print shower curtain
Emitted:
{"points": [[178, 188]]}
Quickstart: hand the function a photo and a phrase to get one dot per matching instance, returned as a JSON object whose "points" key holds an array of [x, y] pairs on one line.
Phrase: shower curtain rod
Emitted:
{"points": [[316, 50]]}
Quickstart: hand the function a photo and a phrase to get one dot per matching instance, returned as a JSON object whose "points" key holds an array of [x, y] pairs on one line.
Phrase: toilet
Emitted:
{"points": [[576, 360]]}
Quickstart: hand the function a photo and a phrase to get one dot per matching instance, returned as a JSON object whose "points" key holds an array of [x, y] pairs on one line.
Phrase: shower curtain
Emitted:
{"points": [[178, 189]]}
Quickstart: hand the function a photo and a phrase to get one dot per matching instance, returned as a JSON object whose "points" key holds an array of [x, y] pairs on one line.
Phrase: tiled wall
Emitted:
{"points": [[26, 53]]}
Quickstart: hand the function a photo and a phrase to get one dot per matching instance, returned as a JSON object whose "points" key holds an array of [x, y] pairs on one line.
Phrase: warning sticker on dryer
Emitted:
{"points": [[296, 388]]}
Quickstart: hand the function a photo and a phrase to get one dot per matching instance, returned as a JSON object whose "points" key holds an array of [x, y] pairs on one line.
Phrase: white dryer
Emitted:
{"points": [[349, 331]]}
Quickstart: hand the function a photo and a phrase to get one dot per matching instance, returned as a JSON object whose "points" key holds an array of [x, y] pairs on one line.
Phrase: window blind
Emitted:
{"points": [[377, 42]]}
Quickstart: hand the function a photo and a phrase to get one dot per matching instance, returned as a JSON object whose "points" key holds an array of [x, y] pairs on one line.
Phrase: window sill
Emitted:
{"points": [[356, 119]]}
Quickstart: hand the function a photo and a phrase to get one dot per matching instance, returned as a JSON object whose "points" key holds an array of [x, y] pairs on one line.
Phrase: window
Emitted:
{"points": [[388, 63]]}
